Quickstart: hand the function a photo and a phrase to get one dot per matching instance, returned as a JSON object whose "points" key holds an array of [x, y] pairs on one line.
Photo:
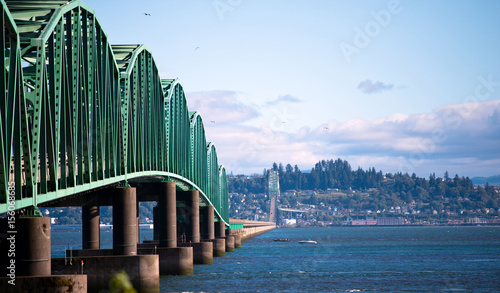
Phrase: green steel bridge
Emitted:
{"points": [[79, 114]]}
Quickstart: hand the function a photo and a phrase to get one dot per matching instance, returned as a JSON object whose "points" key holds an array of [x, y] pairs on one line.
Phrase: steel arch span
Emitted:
{"points": [[78, 113]]}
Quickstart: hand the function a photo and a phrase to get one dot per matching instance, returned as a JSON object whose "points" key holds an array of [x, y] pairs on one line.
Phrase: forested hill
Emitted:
{"points": [[456, 193]]}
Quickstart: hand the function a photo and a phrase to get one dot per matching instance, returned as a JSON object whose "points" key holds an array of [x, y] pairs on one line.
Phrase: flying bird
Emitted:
{"points": [[196, 48], [147, 14], [212, 121]]}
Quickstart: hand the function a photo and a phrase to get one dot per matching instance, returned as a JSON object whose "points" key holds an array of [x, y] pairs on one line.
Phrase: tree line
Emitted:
{"points": [[455, 194]]}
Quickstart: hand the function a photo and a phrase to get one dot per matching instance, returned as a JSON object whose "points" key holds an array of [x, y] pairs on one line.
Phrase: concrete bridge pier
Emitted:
{"points": [[90, 227], [167, 215], [202, 251], [193, 209], [32, 247], [124, 221], [156, 219], [237, 238], [220, 229], [237, 241], [220, 240], [207, 228], [229, 243], [173, 260], [219, 247], [208, 231], [220, 232], [27, 259], [138, 237]]}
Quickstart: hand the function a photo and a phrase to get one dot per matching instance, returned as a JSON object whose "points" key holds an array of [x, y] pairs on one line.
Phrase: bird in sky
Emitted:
{"points": [[196, 48], [212, 121], [147, 14]]}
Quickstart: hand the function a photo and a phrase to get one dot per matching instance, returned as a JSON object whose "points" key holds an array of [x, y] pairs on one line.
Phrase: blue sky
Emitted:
{"points": [[411, 86]]}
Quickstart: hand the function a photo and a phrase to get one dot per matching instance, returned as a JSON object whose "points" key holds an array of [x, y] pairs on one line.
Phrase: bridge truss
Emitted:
{"points": [[78, 113]]}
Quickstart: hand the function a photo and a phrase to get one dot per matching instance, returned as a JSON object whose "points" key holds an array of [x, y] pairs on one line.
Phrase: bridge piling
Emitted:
{"points": [[220, 239], [208, 223], [229, 243], [237, 241], [124, 221], [220, 229], [167, 215], [202, 251], [138, 237], [194, 221], [236, 236], [208, 232], [156, 220], [90, 227], [173, 260], [33, 250], [29, 268]]}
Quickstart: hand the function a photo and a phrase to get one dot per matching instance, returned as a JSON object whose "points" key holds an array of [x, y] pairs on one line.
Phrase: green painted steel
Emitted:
{"points": [[235, 226], [78, 113]]}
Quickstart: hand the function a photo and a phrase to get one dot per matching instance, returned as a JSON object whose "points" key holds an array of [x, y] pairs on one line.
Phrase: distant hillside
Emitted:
{"points": [[493, 180]]}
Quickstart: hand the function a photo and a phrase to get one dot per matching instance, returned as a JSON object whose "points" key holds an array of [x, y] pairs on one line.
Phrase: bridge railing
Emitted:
{"points": [[79, 114]]}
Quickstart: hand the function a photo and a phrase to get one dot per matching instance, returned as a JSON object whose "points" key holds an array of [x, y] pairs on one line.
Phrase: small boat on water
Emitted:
{"points": [[281, 240], [308, 241]]}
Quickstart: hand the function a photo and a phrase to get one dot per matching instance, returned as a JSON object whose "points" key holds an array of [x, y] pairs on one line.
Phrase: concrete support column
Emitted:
{"points": [[90, 227], [125, 221], [208, 223], [229, 243], [237, 241], [194, 212], [237, 237], [137, 216], [167, 215], [33, 246], [220, 229], [219, 246], [203, 253], [156, 221]]}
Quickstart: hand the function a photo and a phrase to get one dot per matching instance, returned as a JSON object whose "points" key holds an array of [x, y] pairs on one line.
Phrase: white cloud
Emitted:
{"points": [[369, 87], [220, 106], [284, 99]]}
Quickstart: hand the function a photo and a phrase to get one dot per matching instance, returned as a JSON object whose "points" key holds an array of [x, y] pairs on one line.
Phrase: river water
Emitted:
{"points": [[345, 259]]}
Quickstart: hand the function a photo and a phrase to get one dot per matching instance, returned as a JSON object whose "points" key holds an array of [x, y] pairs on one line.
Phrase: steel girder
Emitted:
{"points": [[213, 173], [199, 151], [78, 114], [223, 193]]}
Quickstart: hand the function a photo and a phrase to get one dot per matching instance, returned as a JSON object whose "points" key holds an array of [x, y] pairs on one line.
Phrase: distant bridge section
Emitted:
{"points": [[78, 113], [274, 193], [293, 210]]}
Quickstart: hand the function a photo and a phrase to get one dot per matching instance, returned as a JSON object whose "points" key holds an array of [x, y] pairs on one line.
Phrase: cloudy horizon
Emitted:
{"points": [[460, 138]]}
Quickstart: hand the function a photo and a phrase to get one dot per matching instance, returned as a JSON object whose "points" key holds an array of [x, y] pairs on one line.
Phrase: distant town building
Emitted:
{"points": [[391, 221], [289, 222], [358, 222]]}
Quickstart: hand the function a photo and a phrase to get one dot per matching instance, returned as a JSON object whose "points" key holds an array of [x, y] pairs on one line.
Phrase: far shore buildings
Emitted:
{"points": [[384, 221]]}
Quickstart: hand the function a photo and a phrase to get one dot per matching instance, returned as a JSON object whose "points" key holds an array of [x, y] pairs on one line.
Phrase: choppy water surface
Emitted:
{"points": [[369, 259]]}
